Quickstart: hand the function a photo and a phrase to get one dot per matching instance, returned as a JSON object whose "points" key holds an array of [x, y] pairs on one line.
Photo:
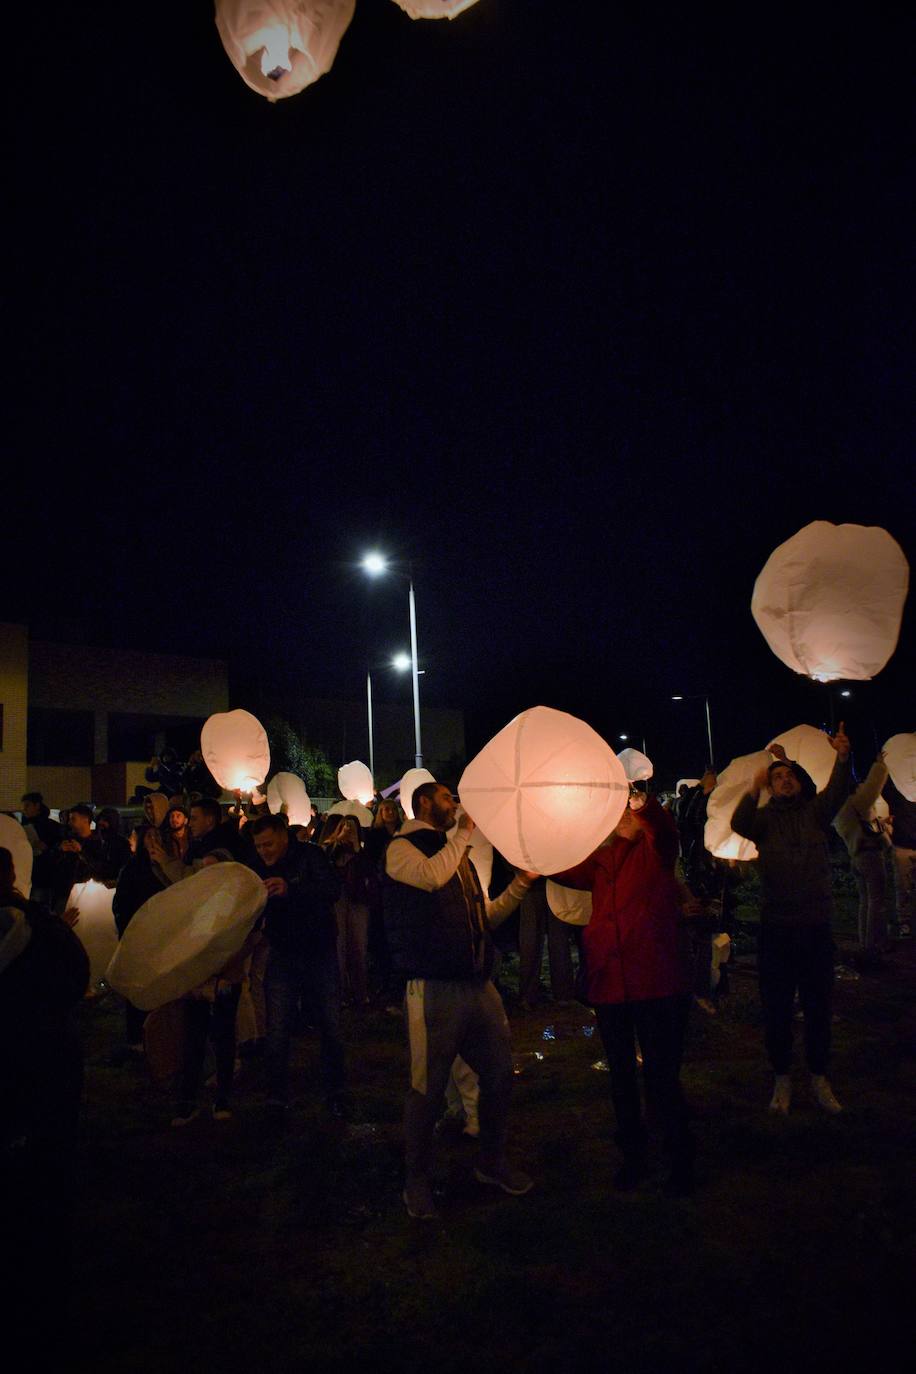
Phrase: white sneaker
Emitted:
{"points": [[823, 1094], [782, 1094]]}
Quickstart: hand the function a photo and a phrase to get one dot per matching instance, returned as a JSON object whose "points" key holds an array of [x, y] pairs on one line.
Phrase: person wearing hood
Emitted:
{"points": [[795, 947]]}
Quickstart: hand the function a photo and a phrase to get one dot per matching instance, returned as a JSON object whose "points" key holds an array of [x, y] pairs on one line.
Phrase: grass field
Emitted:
{"points": [[230, 1246]]}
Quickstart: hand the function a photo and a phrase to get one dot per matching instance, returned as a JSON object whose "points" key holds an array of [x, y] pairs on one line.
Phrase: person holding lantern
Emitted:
{"points": [[795, 948]]}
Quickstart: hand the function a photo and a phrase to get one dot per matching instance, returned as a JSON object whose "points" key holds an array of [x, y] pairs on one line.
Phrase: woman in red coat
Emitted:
{"points": [[636, 977]]}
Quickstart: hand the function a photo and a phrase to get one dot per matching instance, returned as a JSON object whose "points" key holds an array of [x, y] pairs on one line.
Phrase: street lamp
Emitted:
{"points": [[376, 564], [701, 696]]}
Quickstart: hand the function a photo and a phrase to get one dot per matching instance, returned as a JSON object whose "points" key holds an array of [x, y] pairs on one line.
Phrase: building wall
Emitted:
{"points": [[60, 786], [14, 694]]}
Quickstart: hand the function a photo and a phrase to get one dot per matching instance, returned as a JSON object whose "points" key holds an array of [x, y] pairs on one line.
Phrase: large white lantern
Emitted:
{"points": [[412, 779], [569, 904], [278, 47], [353, 808], [636, 765], [434, 9], [96, 927], [479, 851], [185, 934], [719, 838], [546, 790], [900, 757], [810, 747], [829, 600], [355, 782], [286, 793], [14, 838], [235, 749]]}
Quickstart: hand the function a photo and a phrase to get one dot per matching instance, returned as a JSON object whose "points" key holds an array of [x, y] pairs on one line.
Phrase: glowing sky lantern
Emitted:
{"points": [[434, 9], [278, 47], [235, 749], [355, 782], [286, 793], [546, 790], [636, 765], [810, 747], [900, 757], [96, 927], [353, 808], [411, 780], [480, 853], [829, 600], [734, 781], [14, 838], [569, 904], [185, 934]]}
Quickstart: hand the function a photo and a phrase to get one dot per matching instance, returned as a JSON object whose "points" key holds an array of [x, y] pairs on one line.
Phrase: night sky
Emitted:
{"points": [[583, 308]]}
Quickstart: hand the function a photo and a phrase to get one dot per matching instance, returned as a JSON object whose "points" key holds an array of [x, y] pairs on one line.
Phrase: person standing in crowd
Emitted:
{"points": [[48, 835], [438, 919], [867, 844], [85, 854], [137, 882], [209, 831], [636, 978], [795, 947], [343, 845], [389, 985], [113, 848], [175, 831], [299, 923], [903, 839], [536, 922]]}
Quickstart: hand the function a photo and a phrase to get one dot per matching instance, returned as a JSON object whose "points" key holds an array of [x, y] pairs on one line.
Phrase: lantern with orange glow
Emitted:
{"points": [[811, 748], [719, 838], [96, 927], [546, 790], [829, 600], [185, 934], [355, 782], [235, 749], [14, 838], [900, 757], [412, 779], [636, 765], [278, 47], [434, 9], [286, 793]]}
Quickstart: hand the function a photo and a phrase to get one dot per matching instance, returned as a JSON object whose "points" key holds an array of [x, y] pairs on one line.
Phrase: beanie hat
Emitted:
{"points": [[808, 789]]}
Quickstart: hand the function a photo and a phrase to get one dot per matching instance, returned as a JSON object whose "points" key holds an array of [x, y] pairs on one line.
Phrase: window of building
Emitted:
{"points": [[60, 738]]}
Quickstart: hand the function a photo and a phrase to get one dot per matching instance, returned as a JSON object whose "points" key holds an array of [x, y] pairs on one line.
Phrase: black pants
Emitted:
{"points": [[201, 1019], [790, 957], [660, 1024]]}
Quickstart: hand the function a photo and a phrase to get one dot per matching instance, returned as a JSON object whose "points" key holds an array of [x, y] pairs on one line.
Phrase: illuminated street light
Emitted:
{"points": [[402, 662], [375, 564], [701, 696]]}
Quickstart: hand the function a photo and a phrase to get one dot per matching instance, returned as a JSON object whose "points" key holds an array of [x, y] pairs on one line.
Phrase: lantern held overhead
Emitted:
{"points": [[352, 808], [411, 780], [355, 782], [14, 838], [286, 793], [546, 790], [235, 749], [278, 47], [829, 601], [95, 929], [719, 838], [900, 757], [636, 765]]}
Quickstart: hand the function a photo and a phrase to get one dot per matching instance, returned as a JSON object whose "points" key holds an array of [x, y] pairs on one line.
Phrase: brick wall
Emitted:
{"points": [[14, 694]]}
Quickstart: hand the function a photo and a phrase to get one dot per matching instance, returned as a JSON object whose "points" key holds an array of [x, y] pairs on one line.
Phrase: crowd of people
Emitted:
{"points": [[397, 914]]}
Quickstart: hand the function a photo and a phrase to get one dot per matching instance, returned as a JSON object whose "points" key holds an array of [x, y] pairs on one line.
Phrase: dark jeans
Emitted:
{"points": [[203, 1019], [315, 978], [537, 921], [790, 957], [660, 1024]]}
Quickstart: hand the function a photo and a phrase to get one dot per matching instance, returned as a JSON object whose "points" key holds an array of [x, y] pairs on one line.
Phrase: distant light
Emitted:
{"points": [[402, 662], [623, 736], [374, 564], [677, 698], [847, 693]]}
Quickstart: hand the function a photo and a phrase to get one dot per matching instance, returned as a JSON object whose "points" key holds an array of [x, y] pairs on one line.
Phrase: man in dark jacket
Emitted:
{"points": [[299, 923], [795, 947], [438, 920]]}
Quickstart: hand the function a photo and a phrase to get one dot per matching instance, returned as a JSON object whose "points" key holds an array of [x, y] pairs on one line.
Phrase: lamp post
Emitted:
{"points": [[704, 697], [375, 564]]}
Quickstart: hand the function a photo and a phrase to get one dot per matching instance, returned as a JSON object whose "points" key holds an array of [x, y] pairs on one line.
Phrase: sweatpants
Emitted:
{"points": [[446, 1018], [871, 881], [790, 958]]}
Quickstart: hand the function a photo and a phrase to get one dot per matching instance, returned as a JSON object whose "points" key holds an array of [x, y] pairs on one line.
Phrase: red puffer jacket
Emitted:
{"points": [[634, 943]]}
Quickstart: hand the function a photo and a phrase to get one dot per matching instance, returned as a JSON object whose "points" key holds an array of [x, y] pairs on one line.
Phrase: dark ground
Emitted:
{"points": [[229, 1246]]}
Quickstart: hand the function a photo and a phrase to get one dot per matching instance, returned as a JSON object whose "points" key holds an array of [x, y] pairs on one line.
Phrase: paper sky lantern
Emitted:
{"points": [[286, 793], [829, 600], [353, 808], [636, 765], [278, 47], [686, 782], [434, 9], [546, 790], [96, 927], [900, 757], [480, 852], [14, 838], [235, 749], [409, 784], [812, 749], [355, 782], [185, 934], [569, 904], [734, 781]]}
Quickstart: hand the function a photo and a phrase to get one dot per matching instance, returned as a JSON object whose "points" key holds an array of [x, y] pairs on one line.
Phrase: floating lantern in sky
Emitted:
{"points": [[96, 927], [235, 750], [353, 808], [636, 765], [278, 47], [185, 934], [546, 790], [900, 757], [286, 793], [14, 838], [719, 838], [355, 782], [411, 780], [829, 600], [569, 904], [434, 9]]}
